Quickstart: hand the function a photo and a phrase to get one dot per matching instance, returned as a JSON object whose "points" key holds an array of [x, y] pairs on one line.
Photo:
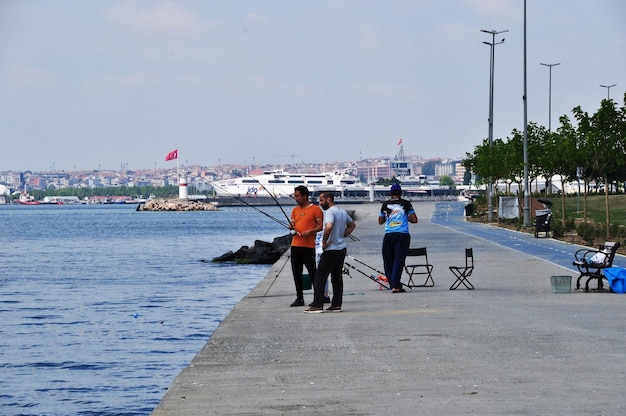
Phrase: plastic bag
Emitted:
{"points": [[617, 279], [599, 258]]}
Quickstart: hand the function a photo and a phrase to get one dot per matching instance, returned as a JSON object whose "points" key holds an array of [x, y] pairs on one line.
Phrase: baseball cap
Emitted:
{"points": [[395, 188]]}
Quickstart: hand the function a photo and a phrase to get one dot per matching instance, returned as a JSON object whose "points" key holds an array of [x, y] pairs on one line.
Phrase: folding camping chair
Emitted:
{"points": [[423, 267], [462, 273]]}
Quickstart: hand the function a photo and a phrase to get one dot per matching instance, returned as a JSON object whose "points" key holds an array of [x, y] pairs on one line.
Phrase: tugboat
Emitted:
{"points": [[26, 199]]}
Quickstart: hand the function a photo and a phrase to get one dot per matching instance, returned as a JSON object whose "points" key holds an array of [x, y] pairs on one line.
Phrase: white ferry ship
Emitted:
{"points": [[279, 183]]}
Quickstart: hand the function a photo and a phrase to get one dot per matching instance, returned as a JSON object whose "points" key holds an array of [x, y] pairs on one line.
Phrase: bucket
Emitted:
{"points": [[561, 284], [306, 282]]}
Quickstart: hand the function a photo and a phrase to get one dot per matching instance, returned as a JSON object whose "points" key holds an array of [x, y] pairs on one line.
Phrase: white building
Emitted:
{"points": [[4, 194]]}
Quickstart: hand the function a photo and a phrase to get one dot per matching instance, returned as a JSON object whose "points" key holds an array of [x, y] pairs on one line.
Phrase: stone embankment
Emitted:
{"points": [[177, 205], [261, 253]]}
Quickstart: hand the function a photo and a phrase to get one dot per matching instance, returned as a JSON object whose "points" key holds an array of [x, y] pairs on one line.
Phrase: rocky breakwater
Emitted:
{"points": [[261, 253], [177, 205]]}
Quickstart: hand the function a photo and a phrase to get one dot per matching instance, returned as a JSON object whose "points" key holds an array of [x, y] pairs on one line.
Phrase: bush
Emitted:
{"points": [[556, 226], [593, 233], [516, 223], [588, 232]]}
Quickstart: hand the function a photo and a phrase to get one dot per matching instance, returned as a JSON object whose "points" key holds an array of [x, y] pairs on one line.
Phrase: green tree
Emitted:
{"points": [[478, 162], [603, 144], [467, 177], [387, 181], [564, 156], [542, 152], [596, 144], [446, 180], [513, 159]]}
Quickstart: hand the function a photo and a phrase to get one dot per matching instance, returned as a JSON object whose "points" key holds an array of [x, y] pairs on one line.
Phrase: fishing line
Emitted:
{"points": [[351, 237], [366, 265], [279, 221], [273, 197]]}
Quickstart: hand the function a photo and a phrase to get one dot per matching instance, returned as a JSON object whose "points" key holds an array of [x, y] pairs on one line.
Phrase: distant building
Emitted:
{"points": [[4, 194], [373, 172], [444, 169], [459, 172], [452, 168]]}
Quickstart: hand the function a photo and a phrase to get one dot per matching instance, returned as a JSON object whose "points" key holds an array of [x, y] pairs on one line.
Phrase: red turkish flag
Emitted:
{"points": [[400, 142], [172, 155]]}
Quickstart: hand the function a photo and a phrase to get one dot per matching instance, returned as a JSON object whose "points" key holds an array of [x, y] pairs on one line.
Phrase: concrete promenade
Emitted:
{"points": [[509, 347]]}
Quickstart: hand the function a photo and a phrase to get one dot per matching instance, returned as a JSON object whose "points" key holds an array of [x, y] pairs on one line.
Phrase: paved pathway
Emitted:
{"points": [[450, 214], [509, 347]]}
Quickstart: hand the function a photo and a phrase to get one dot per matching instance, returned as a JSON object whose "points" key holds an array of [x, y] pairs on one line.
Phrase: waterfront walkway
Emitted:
{"points": [[509, 347]]}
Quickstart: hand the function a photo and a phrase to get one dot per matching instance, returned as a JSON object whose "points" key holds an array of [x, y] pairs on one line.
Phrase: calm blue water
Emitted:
{"points": [[102, 306]]}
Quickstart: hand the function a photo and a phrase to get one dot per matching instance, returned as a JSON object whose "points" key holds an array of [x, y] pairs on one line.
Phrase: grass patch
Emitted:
{"points": [[596, 210], [592, 233]]}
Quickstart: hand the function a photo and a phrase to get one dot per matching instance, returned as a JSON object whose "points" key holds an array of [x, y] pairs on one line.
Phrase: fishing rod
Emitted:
{"points": [[351, 237], [279, 221], [273, 198], [379, 279], [370, 267]]}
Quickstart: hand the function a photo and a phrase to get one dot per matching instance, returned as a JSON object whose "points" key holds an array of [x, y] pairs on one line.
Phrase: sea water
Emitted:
{"points": [[102, 306]]}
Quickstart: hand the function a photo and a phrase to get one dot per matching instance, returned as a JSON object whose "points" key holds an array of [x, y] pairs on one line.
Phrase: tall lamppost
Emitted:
{"points": [[550, 96], [526, 221], [492, 45], [608, 90]]}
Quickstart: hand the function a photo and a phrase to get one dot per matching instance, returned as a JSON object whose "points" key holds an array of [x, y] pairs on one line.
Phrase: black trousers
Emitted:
{"points": [[302, 257], [331, 263], [395, 248]]}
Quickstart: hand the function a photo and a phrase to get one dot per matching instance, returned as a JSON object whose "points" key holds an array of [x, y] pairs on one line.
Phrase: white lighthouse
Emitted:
{"points": [[182, 188]]}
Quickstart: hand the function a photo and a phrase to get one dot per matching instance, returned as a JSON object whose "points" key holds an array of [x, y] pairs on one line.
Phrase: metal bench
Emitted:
{"points": [[590, 263]]}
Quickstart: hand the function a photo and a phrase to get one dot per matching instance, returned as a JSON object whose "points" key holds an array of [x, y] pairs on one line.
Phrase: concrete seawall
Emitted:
{"points": [[509, 347]]}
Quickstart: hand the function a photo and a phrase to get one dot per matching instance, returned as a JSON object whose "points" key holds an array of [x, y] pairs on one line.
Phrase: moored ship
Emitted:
{"points": [[26, 199], [279, 183]]}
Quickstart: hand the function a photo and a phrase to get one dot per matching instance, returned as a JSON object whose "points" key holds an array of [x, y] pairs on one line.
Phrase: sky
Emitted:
{"points": [[111, 84]]}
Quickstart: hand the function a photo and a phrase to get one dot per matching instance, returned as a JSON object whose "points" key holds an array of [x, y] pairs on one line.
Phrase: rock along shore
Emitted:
{"points": [[177, 205]]}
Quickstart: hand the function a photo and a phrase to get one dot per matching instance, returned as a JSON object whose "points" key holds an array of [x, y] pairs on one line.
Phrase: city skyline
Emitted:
{"points": [[329, 165], [100, 85], [202, 177]]}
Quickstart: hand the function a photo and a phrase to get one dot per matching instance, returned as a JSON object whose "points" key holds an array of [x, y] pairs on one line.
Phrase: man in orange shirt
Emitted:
{"points": [[306, 220]]}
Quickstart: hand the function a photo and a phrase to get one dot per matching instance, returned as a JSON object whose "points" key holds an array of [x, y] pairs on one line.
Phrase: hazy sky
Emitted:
{"points": [[88, 84]]}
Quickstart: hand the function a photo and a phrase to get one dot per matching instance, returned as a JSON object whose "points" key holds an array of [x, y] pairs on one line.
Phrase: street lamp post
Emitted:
{"points": [[550, 96], [608, 90], [492, 45]]}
